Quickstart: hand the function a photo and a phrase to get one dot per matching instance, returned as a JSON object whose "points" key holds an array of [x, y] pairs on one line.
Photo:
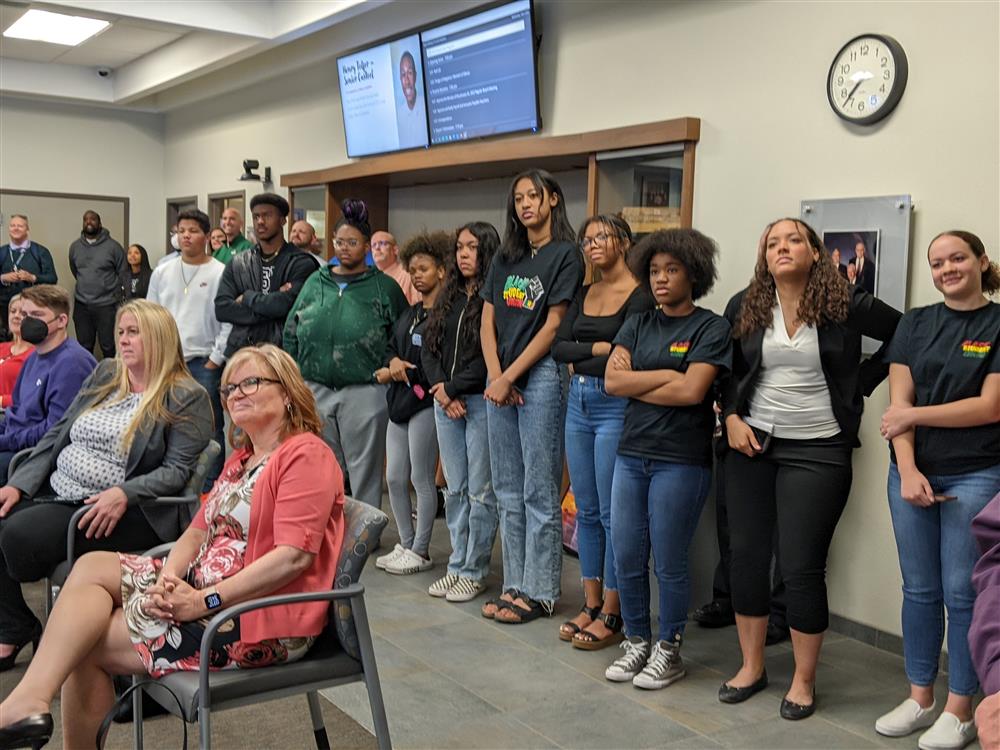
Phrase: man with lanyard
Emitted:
{"points": [[259, 286], [23, 263], [232, 224]]}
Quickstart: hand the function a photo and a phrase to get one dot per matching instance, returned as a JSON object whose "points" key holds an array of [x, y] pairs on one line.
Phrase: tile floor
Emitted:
{"points": [[452, 679]]}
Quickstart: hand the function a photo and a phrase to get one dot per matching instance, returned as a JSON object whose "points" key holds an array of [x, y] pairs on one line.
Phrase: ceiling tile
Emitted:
{"points": [[131, 38], [26, 49], [105, 56]]}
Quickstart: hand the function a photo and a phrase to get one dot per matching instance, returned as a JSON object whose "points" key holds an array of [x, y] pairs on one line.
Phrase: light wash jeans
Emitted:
{"points": [[526, 459], [411, 453], [936, 555], [594, 422], [655, 504], [470, 505]]}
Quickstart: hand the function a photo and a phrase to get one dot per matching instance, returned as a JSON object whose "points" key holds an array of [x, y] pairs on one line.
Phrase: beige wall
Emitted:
{"points": [[754, 72]]}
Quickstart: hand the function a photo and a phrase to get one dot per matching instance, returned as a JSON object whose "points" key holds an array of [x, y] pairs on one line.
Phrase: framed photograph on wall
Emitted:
{"points": [[855, 253]]}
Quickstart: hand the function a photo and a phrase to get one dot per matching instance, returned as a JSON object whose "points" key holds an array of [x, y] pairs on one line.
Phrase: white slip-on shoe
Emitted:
{"points": [[948, 733], [408, 562], [904, 719], [383, 560], [442, 585]]}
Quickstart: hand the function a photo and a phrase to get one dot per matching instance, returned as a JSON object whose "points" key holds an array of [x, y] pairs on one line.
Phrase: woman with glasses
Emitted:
{"points": [[273, 522], [533, 278], [594, 420], [338, 331], [133, 434], [13, 353]]}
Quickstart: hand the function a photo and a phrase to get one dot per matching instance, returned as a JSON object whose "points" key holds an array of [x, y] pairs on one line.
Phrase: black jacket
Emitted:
{"points": [[260, 318], [461, 368], [847, 378], [406, 400]]}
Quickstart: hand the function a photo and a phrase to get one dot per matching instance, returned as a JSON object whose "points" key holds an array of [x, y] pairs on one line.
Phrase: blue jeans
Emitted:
{"points": [[470, 506], [210, 380], [936, 555], [655, 504], [594, 423], [526, 460]]}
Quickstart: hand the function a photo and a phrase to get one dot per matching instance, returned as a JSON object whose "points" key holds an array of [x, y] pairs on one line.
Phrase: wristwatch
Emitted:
{"points": [[213, 600]]}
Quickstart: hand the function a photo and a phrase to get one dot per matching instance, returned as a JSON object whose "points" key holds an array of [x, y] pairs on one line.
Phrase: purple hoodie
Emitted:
{"points": [[984, 632]]}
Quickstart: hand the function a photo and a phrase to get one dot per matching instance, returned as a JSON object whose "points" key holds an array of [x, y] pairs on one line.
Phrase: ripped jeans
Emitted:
{"points": [[470, 505]]}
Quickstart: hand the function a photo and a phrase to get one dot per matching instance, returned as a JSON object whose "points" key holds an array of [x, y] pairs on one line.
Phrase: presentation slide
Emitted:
{"points": [[382, 96], [481, 74]]}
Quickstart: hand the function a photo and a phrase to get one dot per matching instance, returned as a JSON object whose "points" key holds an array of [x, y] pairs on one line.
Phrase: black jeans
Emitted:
{"points": [[721, 588], [33, 543], [799, 488], [95, 322]]}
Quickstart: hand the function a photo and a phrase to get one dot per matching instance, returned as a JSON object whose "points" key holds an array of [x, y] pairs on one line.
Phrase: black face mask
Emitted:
{"points": [[34, 331]]}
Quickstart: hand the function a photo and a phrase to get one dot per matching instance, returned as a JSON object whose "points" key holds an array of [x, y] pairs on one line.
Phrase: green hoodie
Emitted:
{"points": [[225, 253], [339, 336]]}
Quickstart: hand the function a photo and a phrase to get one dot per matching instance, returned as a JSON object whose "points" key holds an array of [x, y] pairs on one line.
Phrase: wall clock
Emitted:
{"points": [[867, 78]]}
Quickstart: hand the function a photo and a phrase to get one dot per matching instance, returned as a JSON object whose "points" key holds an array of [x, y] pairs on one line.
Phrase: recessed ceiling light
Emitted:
{"points": [[55, 28]]}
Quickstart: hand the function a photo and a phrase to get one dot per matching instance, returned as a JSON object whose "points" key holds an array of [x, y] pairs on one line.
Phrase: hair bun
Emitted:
{"points": [[354, 210]]}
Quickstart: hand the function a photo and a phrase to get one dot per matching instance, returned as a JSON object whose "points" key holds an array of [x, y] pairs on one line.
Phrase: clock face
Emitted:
{"points": [[867, 78]]}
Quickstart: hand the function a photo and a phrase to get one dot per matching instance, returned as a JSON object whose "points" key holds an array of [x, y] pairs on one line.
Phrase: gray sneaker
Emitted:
{"points": [[664, 666], [627, 666]]}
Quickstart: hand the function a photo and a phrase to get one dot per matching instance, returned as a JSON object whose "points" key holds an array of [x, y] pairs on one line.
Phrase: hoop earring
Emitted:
{"points": [[289, 407]]}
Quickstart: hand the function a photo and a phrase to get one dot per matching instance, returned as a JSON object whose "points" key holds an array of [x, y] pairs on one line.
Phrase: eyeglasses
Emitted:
{"points": [[379, 243], [597, 239], [247, 386], [351, 243]]}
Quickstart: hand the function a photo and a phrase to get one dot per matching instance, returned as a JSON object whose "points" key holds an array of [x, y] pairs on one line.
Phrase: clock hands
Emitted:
{"points": [[848, 97]]}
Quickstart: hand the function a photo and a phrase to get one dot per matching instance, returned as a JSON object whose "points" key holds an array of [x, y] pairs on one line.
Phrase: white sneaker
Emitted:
{"points": [[663, 667], [383, 560], [408, 562], [465, 589], [441, 586], [905, 719], [948, 733], [627, 666]]}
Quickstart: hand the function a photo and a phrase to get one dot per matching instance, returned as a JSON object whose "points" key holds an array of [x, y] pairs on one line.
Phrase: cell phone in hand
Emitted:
{"points": [[762, 431], [944, 498]]}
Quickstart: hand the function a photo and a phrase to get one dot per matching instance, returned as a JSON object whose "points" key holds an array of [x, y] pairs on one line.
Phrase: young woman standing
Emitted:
{"points": [[792, 410], [665, 361], [453, 362], [594, 420], [944, 431], [535, 275]]}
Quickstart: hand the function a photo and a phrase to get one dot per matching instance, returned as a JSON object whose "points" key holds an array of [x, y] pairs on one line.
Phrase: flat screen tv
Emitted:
{"points": [[481, 74], [382, 97]]}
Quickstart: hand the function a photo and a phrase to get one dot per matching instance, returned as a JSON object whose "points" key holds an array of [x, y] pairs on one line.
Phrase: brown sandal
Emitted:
{"points": [[587, 641], [592, 612]]}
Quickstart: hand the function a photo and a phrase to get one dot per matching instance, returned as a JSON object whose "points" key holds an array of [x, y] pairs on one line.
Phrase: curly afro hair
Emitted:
{"points": [[436, 245], [692, 249]]}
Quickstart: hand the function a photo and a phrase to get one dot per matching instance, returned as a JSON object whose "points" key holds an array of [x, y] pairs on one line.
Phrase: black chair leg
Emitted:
{"points": [[316, 714]]}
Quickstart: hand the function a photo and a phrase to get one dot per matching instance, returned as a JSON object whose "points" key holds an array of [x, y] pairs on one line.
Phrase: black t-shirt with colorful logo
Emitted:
{"points": [[950, 353], [522, 292], [680, 434]]}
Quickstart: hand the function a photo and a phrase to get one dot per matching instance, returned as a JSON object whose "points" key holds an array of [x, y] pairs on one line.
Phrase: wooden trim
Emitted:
{"points": [[234, 194], [512, 151], [592, 197], [123, 199], [330, 204], [687, 187]]}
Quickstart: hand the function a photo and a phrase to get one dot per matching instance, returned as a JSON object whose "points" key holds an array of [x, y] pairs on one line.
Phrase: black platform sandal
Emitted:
{"points": [[592, 612], [589, 642]]}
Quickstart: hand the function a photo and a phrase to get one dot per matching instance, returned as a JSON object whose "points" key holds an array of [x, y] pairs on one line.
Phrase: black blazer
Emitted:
{"points": [[160, 459], [847, 378]]}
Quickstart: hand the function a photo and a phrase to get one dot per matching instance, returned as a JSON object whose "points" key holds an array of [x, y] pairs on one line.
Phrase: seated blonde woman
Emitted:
{"points": [[273, 523], [132, 434]]}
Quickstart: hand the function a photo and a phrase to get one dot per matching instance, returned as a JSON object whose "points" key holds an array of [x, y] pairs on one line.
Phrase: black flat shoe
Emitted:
{"points": [[730, 694], [33, 732], [796, 711], [715, 614], [7, 662]]}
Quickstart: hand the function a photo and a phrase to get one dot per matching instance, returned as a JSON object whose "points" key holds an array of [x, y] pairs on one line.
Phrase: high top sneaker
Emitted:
{"points": [[664, 666]]}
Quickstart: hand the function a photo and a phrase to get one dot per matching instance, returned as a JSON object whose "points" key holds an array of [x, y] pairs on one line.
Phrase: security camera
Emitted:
{"points": [[104, 72]]}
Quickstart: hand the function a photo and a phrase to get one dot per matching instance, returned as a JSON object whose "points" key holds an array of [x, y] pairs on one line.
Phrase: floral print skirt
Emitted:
{"points": [[171, 647]]}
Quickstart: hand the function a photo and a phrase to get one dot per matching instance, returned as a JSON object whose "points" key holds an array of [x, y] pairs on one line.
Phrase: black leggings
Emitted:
{"points": [[33, 543], [800, 487]]}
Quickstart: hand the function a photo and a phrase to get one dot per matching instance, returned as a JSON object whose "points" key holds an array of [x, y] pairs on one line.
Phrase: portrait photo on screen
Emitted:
{"points": [[411, 108], [855, 253]]}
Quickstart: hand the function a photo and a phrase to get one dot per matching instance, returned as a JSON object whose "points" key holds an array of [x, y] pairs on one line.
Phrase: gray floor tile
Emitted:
{"points": [[778, 734]]}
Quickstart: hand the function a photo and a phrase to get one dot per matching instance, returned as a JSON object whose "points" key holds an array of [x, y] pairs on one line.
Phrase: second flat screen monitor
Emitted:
{"points": [[382, 95], [480, 74]]}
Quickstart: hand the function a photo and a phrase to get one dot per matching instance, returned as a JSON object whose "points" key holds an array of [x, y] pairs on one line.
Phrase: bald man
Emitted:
{"points": [[385, 252], [303, 236], [232, 225]]}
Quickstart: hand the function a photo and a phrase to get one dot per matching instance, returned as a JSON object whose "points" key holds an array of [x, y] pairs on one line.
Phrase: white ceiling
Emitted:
{"points": [[154, 45]]}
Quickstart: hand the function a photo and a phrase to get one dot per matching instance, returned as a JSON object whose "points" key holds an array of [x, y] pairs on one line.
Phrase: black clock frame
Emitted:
{"points": [[902, 73]]}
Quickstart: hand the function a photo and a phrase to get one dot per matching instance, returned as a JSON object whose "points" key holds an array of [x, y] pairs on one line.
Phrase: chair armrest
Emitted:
{"points": [[160, 550], [353, 591], [71, 533], [177, 500]]}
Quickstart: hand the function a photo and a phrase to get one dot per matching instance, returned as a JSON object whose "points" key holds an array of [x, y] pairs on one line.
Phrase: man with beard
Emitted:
{"points": [[98, 264], [385, 253], [411, 122], [259, 286], [303, 236]]}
